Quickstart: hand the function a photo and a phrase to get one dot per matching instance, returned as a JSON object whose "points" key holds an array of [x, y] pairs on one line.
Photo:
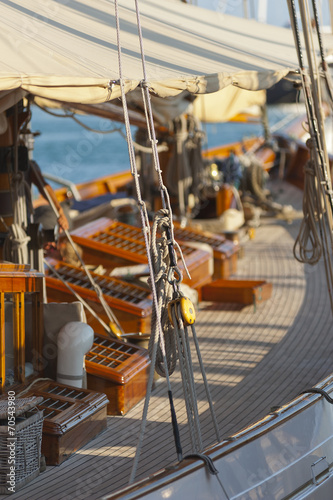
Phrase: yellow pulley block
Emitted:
{"points": [[115, 329], [187, 310]]}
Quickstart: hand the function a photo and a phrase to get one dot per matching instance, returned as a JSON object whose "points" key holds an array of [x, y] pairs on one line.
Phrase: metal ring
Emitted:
{"points": [[172, 271]]}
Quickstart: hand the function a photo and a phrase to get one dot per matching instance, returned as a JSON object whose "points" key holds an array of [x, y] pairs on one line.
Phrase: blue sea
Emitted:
{"points": [[68, 150]]}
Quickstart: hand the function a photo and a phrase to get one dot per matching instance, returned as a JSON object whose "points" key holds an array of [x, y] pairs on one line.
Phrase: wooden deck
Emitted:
{"points": [[254, 360]]}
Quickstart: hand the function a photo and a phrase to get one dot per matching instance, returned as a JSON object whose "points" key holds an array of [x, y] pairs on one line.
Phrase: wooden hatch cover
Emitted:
{"points": [[120, 370], [72, 418], [131, 303], [116, 244]]}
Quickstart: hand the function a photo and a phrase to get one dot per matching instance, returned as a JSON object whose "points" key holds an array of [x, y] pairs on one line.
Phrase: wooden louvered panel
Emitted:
{"points": [[120, 370], [115, 244], [131, 303], [72, 417]]}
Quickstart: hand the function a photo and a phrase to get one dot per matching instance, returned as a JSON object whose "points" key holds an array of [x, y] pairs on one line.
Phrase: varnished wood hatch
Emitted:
{"points": [[131, 303], [72, 417], [116, 244], [118, 369]]}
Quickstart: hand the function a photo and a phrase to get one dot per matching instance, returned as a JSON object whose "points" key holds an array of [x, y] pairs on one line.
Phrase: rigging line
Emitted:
{"points": [[314, 108], [314, 53], [152, 136], [325, 185], [319, 162], [151, 131], [313, 122], [139, 147], [85, 304], [324, 65], [170, 233], [313, 70], [189, 401], [110, 314], [204, 377], [146, 232]]}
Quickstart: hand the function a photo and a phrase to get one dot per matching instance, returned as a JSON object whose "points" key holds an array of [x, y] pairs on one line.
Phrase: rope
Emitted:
{"points": [[72, 115], [146, 233], [324, 65], [204, 377], [161, 265], [317, 143], [158, 265], [27, 389], [307, 248], [15, 248], [316, 390], [186, 370]]}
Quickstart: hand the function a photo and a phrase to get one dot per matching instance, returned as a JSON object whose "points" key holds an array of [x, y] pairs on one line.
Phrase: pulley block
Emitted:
{"points": [[186, 310]]}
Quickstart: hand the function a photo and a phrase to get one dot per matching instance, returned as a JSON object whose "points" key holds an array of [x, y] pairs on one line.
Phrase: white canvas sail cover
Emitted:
{"points": [[67, 50]]}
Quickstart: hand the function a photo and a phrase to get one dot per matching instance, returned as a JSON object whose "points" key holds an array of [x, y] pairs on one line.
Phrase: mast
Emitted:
{"points": [[262, 11], [330, 2]]}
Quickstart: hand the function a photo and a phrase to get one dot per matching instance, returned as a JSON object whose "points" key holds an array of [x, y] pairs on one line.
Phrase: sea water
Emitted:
{"points": [[89, 147]]}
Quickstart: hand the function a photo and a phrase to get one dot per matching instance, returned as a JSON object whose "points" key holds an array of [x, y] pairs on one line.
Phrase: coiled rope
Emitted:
{"points": [[317, 144], [307, 248], [161, 264]]}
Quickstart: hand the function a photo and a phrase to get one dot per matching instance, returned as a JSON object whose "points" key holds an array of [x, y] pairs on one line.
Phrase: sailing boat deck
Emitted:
{"points": [[254, 360]]}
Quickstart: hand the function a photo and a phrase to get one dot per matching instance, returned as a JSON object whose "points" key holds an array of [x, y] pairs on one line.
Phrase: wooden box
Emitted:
{"points": [[119, 369], [115, 244], [237, 291], [72, 417], [130, 303], [224, 251]]}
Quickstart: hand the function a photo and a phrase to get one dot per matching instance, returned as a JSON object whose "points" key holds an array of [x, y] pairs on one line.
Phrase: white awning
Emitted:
{"points": [[225, 104], [68, 50]]}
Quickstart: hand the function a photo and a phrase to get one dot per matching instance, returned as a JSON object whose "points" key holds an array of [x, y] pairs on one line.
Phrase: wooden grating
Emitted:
{"points": [[72, 417], [115, 359], [109, 353], [56, 400], [118, 369], [130, 303], [111, 287], [105, 238]]}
